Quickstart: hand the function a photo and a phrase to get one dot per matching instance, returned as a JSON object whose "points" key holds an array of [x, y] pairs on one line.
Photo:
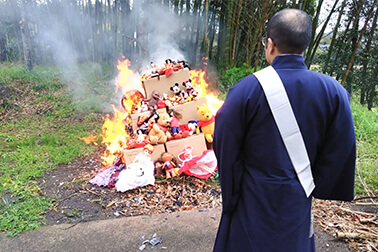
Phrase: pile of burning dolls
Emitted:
{"points": [[154, 122]]}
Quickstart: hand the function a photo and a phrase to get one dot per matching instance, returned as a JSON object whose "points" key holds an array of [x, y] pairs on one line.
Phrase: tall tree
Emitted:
{"points": [[365, 87], [25, 33], [315, 22], [369, 15], [333, 39], [222, 35], [311, 53]]}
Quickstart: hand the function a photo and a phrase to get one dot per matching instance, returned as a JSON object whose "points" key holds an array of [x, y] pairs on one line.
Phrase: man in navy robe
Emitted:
{"points": [[264, 205]]}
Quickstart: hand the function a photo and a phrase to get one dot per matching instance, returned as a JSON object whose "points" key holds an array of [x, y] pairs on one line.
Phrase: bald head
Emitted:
{"points": [[290, 30]]}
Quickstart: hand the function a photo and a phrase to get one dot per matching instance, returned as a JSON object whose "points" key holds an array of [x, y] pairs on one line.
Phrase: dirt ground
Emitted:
{"points": [[76, 200]]}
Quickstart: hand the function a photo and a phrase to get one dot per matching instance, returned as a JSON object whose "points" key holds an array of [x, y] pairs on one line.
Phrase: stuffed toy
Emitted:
{"points": [[169, 164], [178, 94], [137, 174], [145, 122], [168, 67], [206, 122], [165, 98], [152, 102], [189, 89], [175, 125], [159, 132], [192, 126], [138, 140]]}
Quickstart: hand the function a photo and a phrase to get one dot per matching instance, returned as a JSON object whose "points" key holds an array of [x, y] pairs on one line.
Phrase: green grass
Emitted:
{"points": [[31, 144], [366, 128]]}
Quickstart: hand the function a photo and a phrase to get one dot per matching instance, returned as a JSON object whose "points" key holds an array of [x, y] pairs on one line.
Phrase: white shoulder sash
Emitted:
{"points": [[287, 125]]}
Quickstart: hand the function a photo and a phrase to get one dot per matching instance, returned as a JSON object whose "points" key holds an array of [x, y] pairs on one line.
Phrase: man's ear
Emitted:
{"points": [[270, 51], [270, 46]]}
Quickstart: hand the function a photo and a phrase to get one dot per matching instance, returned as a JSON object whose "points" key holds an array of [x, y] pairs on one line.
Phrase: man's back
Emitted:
{"points": [[256, 169]]}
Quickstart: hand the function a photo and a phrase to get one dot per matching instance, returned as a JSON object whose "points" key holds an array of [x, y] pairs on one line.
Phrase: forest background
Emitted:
{"points": [[58, 64]]}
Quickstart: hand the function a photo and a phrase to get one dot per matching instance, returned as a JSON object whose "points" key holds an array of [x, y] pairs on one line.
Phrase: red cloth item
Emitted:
{"points": [[168, 72], [163, 128], [200, 166], [205, 123]]}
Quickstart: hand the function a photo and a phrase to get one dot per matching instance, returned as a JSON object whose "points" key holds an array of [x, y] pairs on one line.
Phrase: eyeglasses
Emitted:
{"points": [[263, 40]]}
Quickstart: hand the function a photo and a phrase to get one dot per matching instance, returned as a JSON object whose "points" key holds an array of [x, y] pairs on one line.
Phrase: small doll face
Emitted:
{"points": [[148, 149], [156, 95], [166, 156]]}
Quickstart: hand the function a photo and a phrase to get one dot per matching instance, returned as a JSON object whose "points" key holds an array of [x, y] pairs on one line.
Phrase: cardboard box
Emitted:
{"points": [[189, 110], [163, 83], [196, 141], [129, 155]]}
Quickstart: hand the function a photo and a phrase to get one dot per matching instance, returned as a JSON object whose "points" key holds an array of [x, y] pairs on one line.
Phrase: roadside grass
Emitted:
{"points": [[38, 134], [366, 128]]}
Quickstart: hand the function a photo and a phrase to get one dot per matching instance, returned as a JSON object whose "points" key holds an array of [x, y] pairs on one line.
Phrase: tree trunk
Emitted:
{"points": [[320, 35], [115, 27], [236, 29], [3, 52], [261, 28], [365, 61], [314, 25], [358, 43], [212, 32], [197, 8], [222, 35], [340, 45], [25, 34], [205, 43], [335, 30]]}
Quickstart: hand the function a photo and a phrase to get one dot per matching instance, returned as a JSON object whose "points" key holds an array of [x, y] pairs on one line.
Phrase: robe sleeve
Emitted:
{"points": [[334, 168], [227, 145]]}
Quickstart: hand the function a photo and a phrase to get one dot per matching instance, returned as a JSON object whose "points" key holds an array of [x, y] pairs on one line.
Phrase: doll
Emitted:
{"points": [[169, 164], [175, 125], [152, 102], [159, 169]]}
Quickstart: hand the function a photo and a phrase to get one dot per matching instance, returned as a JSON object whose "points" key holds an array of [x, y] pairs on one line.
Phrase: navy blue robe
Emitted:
{"points": [[264, 206]]}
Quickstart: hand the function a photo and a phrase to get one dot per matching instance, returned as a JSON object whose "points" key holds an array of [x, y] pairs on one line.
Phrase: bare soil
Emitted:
{"points": [[76, 200]]}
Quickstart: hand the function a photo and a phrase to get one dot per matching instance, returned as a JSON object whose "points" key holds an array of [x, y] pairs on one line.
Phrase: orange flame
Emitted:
{"points": [[114, 130], [114, 133], [200, 84], [89, 139]]}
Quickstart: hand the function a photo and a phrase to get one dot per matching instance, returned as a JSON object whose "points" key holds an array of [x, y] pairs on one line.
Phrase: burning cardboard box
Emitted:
{"points": [[130, 154], [197, 142], [163, 83], [189, 110]]}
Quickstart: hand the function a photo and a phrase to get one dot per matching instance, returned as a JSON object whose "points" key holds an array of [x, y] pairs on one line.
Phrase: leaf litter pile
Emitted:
{"points": [[355, 223], [176, 194], [76, 200]]}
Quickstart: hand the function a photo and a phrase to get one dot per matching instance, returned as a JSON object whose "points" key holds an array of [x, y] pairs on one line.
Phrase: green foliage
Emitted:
{"points": [[366, 128], [232, 76], [43, 78], [366, 123], [24, 214]]}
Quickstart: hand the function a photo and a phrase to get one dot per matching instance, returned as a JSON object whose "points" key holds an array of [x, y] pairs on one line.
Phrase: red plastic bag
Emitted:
{"points": [[200, 166]]}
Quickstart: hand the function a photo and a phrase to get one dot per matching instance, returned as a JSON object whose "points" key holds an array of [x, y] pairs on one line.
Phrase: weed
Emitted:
{"points": [[73, 213]]}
